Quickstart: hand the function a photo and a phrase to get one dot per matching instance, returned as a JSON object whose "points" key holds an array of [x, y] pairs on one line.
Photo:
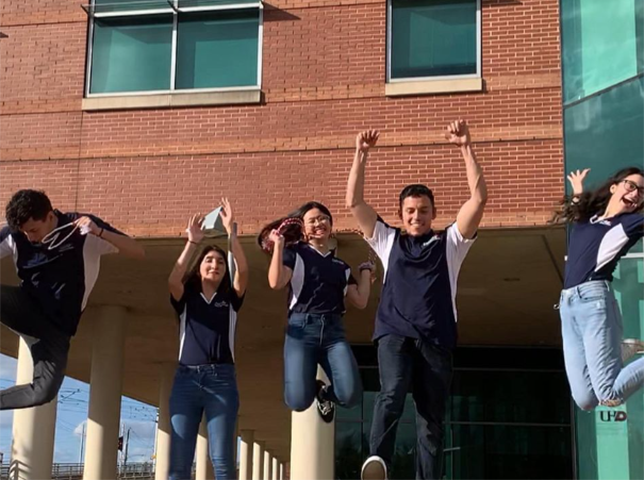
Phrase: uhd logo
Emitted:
{"points": [[612, 416]]}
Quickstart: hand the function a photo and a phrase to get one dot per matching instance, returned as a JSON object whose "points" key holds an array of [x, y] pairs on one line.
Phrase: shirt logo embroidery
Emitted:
{"points": [[221, 304], [430, 241]]}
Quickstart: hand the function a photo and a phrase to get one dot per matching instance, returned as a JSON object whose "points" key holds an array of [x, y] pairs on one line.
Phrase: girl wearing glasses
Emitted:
{"points": [[303, 258], [606, 223]]}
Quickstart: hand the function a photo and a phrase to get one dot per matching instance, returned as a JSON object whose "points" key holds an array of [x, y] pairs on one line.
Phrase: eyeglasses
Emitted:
{"points": [[320, 219], [631, 186]]}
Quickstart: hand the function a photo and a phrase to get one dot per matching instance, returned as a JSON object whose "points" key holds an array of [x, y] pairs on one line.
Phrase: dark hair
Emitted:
{"points": [[293, 233], [193, 279], [25, 205], [592, 202], [415, 190]]}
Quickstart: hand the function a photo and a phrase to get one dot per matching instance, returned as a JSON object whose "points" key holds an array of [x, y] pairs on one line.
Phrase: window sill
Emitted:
{"points": [[169, 100], [421, 87]]}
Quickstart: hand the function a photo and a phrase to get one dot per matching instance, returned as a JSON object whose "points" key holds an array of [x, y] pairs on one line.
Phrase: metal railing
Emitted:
{"points": [[74, 471]]}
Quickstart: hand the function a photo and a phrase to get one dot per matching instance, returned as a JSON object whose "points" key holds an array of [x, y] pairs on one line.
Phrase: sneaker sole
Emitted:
{"points": [[373, 471]]}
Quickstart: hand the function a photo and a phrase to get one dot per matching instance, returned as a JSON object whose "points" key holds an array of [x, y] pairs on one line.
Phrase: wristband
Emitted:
{"points": [[195, 243]]}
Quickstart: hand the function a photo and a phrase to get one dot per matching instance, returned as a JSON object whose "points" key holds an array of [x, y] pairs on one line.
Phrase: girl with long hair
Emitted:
{"points": [[605, 224], [207, 300]]}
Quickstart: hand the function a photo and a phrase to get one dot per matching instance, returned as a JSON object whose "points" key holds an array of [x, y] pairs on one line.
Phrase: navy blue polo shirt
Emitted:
{"points": [[418, 297], [207, 326], [59, 279], [596, 246], [319, 281]]}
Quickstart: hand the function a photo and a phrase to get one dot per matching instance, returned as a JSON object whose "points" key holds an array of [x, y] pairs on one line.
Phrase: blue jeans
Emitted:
{"points": [[591, 327], [405, 362], [211, 389], [319, 339]]}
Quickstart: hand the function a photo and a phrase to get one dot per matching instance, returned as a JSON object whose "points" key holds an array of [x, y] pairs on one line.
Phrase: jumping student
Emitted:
{"points": [[415, 330], [206, 300], [606, 223], [318, 282], [57, 256]]}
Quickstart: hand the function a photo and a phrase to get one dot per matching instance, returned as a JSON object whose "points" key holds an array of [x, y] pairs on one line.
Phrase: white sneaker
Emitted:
{"points": [[374, 468], [630, 348]]}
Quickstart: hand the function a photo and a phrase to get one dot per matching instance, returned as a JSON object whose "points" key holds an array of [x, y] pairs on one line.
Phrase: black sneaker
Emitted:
{"points": [[326, 408]]}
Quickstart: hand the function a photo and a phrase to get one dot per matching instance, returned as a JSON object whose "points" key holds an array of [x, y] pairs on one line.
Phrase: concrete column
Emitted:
{"points": [[32, 449], [204, 465], [162, 448], [281, 475], [258, 460], [268, 461], [275, 469], [312, 444], [106, 383], [246, 455]]}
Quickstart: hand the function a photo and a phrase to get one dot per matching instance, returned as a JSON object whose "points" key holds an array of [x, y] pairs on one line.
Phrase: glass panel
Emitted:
{"points": [[510, 397], [131, 54], [105, 6], [218, 49], [610, 441], [509, 452], [593, 40], [348, 449], [211, 3], [432, 38]]}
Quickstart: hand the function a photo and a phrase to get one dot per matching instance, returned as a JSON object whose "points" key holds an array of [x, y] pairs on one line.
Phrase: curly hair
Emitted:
{"points": [[25, 205], [592, 202]]}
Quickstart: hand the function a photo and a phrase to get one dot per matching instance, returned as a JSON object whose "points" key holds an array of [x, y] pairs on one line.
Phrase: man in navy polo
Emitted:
{"points": [[57, 257], [415, 329]]}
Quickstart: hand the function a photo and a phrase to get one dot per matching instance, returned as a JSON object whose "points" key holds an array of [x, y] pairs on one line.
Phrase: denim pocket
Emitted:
{"points": [[297, 320], [592, 293]]}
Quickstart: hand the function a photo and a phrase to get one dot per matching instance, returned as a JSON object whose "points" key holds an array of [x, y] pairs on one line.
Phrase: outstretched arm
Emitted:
{"points": [[364, 214], [470, 215], [125, 245], [240, 282], [195, 236]]}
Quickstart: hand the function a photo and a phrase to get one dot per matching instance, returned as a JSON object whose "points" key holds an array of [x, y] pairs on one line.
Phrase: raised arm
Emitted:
{"points": [[195, 236], [278, 274], [470, 215], [125, 245], [240, 282], [364, 214], [358, 294]]}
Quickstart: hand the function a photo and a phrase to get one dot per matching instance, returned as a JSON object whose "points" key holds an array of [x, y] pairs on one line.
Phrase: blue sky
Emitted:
{"points": [[73, 401]]}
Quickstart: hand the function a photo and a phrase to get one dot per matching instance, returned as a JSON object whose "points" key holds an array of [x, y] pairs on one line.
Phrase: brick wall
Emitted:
{"points": [[323, 80]]}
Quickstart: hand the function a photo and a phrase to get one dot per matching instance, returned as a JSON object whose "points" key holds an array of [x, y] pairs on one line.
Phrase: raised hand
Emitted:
{"points": [[367, 139], [195, 233], [458, 133], [227, 215], [576, 180]]}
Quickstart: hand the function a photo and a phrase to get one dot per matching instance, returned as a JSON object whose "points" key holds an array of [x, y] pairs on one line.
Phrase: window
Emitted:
{"points": [[173, 46], [433, 39]]}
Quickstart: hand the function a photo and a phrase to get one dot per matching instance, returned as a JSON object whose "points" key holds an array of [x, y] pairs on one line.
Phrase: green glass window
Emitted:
{"points": [[602, 44], [131, 54], [217, 49], [431, 38], [149, 46]]}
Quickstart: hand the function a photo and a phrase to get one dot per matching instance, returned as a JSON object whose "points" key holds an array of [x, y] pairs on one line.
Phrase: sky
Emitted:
{"points": [[73, 401]]}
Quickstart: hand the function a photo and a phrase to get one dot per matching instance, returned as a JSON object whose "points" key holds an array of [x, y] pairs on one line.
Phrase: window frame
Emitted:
{"points": [[476, 75], [174, 9]]}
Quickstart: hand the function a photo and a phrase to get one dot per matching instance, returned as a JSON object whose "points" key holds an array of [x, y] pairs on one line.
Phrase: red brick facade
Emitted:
{"points": [[323, 80]]}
